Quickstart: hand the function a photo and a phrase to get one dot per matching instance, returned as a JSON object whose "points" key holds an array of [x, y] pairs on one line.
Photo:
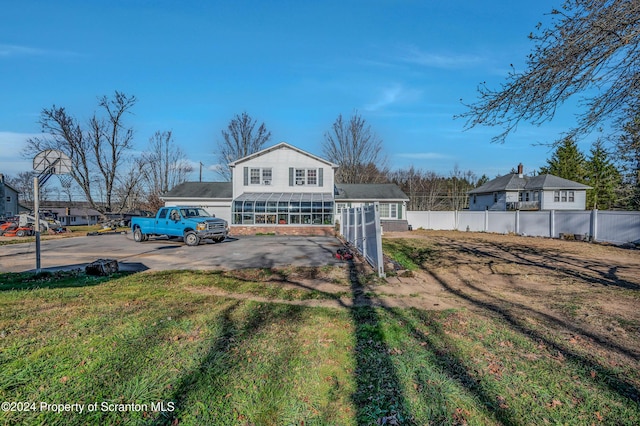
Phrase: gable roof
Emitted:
{"points": [[368, 192], [222, 190], [514, 182], [281, 145]]}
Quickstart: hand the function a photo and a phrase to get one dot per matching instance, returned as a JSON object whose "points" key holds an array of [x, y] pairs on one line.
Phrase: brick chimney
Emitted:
{"points": [[520, 175]]}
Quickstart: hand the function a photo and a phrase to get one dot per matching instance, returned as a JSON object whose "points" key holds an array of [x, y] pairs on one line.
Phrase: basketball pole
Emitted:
{"points": [[36, 212]]}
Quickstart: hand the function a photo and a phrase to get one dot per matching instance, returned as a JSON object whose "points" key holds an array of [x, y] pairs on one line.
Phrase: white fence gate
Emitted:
{"points": [[360, 227], [617, 227]]}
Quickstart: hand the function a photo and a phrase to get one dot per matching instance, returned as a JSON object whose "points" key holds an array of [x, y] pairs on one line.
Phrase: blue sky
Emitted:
{"points": [[403, 65]]}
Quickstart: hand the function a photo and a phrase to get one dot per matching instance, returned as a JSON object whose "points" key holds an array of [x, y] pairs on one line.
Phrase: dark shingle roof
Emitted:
{"points": [[513, 182], [383, 191], [201, 190]]}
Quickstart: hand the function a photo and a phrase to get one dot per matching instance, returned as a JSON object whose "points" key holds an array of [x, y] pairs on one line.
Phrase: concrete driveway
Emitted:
{"points": [[163, 254]]}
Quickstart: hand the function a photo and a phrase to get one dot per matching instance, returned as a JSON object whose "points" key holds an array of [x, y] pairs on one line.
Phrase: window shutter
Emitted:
{"points": [[290, 176], [399, 210], [320, 173], [246, 176]]}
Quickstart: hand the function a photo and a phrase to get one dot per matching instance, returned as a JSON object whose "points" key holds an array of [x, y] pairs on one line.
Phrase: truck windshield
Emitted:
{"points": [[195, 212]]}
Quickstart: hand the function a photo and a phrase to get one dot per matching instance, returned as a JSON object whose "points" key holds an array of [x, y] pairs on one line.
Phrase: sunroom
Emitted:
{"points": [[283, 208]]}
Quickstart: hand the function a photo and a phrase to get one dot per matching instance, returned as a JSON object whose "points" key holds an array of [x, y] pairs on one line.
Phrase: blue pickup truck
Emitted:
{"points": [[193, 224]]}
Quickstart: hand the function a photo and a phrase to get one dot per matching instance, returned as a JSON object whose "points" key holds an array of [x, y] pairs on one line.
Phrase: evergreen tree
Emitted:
{"points": [[603, 177], [629, 151], [567, 162]]}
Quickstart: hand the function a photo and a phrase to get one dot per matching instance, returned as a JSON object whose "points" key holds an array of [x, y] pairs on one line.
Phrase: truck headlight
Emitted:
{"points": [[201, 226]]}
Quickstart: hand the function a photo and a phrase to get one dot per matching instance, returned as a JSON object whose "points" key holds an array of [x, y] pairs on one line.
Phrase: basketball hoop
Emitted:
{"points": [[65, 181], [52, 162]]}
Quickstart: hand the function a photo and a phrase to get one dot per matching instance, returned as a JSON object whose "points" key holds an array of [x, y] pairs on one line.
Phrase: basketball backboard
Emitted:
{"points": [[52, 161]]}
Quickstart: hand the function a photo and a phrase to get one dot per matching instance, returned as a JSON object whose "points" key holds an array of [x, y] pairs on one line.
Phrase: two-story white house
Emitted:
{"points": [[516, 191], [8, 199], [285, 190]]}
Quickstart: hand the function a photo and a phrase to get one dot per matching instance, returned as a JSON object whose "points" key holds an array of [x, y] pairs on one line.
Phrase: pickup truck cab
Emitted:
{"points": [[193, 224]]}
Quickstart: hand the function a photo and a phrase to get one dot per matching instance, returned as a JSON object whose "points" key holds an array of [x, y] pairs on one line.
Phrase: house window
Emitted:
{"points": [[340, 206], [495, 197], [563, 196], [474, 198], [556, 196], [535, 195], [260, 176], [266, 176], [255, 177], [8, 199], [388, 211], [294, 211], [300, 176], [312, 177], [307, 177], [571, 196], [520, 196], [526, 196]]}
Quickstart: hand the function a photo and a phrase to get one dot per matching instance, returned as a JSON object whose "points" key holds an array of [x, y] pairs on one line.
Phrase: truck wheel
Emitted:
{"points": [[138, 236], [191, 239]]}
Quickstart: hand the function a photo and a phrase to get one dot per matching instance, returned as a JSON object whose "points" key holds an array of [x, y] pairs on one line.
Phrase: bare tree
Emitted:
{"points": [[164, 165], [23, 183], [356, 149], [241, 138], [592, 47], [97, 152]]}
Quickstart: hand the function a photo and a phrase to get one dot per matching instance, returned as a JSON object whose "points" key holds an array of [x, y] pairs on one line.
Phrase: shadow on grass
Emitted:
{"points": [[222, 360], [27, 281], [379, 397], [605, 376]]}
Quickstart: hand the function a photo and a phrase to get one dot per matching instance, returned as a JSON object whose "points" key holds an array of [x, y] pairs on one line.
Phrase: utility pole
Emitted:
{"points": [[201, 170]]}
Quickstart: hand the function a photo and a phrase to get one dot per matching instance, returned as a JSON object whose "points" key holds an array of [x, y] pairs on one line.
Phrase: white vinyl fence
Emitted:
{"points": [[360, 227], [616, 227]]}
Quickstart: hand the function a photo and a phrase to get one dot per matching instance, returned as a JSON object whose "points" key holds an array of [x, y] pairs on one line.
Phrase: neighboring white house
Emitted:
{"points": [[8, 199], [75, 216], [518, 192], [286, 190]]}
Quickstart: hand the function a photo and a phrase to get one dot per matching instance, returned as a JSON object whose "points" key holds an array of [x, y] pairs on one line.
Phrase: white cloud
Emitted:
{"points": [[423, 155], [15, 50], [439, 60], [11, 146], [392, 95]]}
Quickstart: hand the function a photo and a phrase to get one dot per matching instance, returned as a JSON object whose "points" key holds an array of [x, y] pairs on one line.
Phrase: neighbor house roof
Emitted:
{"points": [[368, 192], [223, 190], [280, 146], [516, 182]]}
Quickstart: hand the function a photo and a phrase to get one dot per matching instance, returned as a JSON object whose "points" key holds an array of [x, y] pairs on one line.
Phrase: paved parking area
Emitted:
{"points": [[163, 254]]}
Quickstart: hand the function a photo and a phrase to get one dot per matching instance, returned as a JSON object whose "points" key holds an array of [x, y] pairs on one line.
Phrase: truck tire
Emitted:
{"points": [[191, 239], [138, 236]]}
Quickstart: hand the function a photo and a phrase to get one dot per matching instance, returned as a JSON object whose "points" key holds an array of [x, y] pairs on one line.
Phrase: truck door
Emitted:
{"points": [[172, 223], [161, 221]]}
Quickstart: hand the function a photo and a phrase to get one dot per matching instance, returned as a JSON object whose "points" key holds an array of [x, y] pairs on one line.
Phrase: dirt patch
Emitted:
{"points": [[582, 291]]}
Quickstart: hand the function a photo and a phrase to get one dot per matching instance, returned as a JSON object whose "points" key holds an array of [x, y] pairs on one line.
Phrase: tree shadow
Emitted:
{"points": [[378, 398], [505, 311]]}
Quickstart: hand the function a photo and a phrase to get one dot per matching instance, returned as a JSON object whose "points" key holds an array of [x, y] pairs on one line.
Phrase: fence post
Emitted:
{"points": [[486, 220], [380, 257], [364, 230], [517, 222], [594, 225], [552, 223]]}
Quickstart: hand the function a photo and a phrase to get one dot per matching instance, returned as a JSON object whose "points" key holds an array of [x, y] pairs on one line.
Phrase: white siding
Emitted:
{"points": [[579, 203], [221, 209], [279, 161]]}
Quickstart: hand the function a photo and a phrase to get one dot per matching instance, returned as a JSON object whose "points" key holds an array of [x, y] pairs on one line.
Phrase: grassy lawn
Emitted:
{"points": [[150, 348]]}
